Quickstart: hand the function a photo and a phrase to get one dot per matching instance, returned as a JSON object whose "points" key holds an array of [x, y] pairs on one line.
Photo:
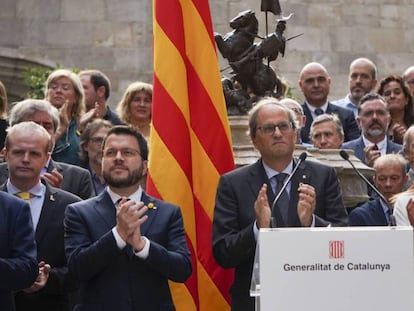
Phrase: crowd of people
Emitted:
{"points": [[91, 234]]}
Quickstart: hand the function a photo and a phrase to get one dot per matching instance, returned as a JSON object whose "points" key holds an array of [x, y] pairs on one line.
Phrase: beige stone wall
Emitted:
{"points": [[116, 36]]}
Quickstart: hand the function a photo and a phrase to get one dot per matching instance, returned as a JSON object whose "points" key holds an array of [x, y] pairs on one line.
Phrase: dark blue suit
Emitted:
{"points": [[18, 263], [351, 130], [370, 213], [234, 242], [358, 146], [114, 279]]}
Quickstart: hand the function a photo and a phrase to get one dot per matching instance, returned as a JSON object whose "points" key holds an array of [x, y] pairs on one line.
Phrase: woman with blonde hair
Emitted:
{"points": [[135, 107], [65, 92]]}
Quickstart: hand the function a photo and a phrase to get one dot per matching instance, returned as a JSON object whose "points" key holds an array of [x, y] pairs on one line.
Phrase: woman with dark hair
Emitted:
{"points": [[400, 104]]}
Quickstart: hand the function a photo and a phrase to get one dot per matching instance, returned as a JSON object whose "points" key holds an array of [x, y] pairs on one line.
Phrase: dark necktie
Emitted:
{"points": [[283, 202], [319, 111]]}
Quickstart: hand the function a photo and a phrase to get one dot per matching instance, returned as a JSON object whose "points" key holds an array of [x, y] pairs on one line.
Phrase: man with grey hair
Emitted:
{"points": [[244, 196], [362, 80], [326, 132], [68, 177]]}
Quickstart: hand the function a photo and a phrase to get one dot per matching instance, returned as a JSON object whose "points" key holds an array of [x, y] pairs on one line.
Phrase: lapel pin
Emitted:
{"points": [[151, 206], [52, 198]]}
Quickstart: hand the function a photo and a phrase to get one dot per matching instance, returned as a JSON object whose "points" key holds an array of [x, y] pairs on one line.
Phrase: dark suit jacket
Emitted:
{"points": [[50, 249], [18, 264], [234, 217], [76, 180], [358, 146], [368, 214], [351, 130], [114, 279]]}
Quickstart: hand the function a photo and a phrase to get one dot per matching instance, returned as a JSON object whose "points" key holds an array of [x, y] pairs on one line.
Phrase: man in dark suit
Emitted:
{"points": [[390, 178], [124, 246], [18, 264], [315, 83], [27, 148], [373, 119], [244, 196], [68, 177]]}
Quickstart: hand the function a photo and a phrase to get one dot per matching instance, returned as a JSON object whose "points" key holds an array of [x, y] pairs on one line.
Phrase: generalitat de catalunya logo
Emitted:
{"points": [[336, 249]]}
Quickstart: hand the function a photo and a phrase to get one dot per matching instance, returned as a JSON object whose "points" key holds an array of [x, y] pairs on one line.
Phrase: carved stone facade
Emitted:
{"points": [[116, 37]]}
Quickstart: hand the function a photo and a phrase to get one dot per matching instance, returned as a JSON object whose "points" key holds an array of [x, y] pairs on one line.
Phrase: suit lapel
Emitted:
{"points": [[105, 209], [47, 212], [151, 213]]}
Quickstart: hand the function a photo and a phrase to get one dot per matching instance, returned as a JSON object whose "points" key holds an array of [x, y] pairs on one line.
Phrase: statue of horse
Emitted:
{"points": [[236, 43]]}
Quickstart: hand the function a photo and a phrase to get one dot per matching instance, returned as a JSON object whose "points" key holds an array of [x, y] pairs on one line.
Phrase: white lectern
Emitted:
{"points": [[341, 269]]}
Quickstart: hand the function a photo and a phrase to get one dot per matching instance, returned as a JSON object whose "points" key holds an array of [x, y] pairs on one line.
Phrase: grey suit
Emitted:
{"points": [[76, 180], [234, 216]]}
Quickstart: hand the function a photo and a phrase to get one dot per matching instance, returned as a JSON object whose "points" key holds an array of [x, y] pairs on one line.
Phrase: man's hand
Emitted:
{"points": [[262, 208], [306, 204], [42, 278], [54, 178], [371, 154]]}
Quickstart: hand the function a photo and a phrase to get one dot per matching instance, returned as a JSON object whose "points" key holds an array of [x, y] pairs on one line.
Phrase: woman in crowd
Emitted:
{"points": [[64, 90], [400, 104], [135, 107], [3, 113]]}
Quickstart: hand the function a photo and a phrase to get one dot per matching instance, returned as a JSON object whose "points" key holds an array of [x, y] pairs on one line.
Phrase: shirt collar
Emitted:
{"points": [[312, 109], [382, 145], [136, 196], [37, 190], [271, 172]]}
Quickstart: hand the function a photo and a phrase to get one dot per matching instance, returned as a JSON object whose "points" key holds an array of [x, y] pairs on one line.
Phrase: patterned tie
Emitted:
{"points": [[283, 202], [25, 196], [319, 111]]}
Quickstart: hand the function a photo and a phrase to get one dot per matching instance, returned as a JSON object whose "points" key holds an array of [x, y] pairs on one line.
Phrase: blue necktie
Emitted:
{"points": [[283, 202], [319, 111]]}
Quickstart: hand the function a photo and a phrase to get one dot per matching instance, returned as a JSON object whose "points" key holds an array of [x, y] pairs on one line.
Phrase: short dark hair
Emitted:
{"points": [[98, 79], [128, 130], [369, 97]]}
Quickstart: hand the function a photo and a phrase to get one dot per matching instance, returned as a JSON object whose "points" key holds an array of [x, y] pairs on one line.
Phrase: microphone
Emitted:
{"points": [[302, 158], [345, 156]]}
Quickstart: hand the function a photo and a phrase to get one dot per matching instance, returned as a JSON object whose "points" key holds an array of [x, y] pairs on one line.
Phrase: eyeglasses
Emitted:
{"points": [[96, 140], [125, 153], [269, 128]]}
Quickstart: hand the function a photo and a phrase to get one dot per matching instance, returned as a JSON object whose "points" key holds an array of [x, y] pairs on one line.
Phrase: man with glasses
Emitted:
{"points": [[123, 245], [373, 119], [245, 196]]}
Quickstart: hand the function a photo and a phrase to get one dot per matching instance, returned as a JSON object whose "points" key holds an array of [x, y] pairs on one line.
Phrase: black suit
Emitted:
{"points": [[49, 236], [76, 180], [234, 216], [351, 130]]}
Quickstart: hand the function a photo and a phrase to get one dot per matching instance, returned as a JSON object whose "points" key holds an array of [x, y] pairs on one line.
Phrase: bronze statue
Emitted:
{"points": [[250, 78]]}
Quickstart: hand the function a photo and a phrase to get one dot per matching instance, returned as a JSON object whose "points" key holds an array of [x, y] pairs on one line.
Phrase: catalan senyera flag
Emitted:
{"points": [[190, 141]]}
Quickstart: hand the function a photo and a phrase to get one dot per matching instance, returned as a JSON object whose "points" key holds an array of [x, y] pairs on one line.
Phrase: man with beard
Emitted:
{"points": [[362, 80], [123, 245], [373, 119]]}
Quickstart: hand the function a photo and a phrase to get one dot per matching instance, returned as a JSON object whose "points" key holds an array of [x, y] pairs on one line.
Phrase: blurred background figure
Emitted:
{"points": [[300, 116], [135, 107], [326, 132], [64, 91], [408, 77], [97, 88], [3, 115], [90, 152], [400, 105]]}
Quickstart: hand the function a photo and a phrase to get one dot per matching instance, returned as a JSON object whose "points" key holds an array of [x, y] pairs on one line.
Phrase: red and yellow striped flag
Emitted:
{"points": [[190, 144]]}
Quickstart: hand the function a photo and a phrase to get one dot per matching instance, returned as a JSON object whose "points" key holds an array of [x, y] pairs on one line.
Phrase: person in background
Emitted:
{"points": [[300, 117], [390, 178], [123, 245], [97, 88], [408, 150], [400, 105], [27, 150], [90, 153], [18, 263], [135, 107], [362, 80], [326, 132], [3, 115], [244, 196], [315, 83], [71, 178], [373, 119], [65, 92], [408, 77]]}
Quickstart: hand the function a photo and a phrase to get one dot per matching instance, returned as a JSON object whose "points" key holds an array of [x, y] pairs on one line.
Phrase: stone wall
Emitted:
{"points": [[116, 36]]}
